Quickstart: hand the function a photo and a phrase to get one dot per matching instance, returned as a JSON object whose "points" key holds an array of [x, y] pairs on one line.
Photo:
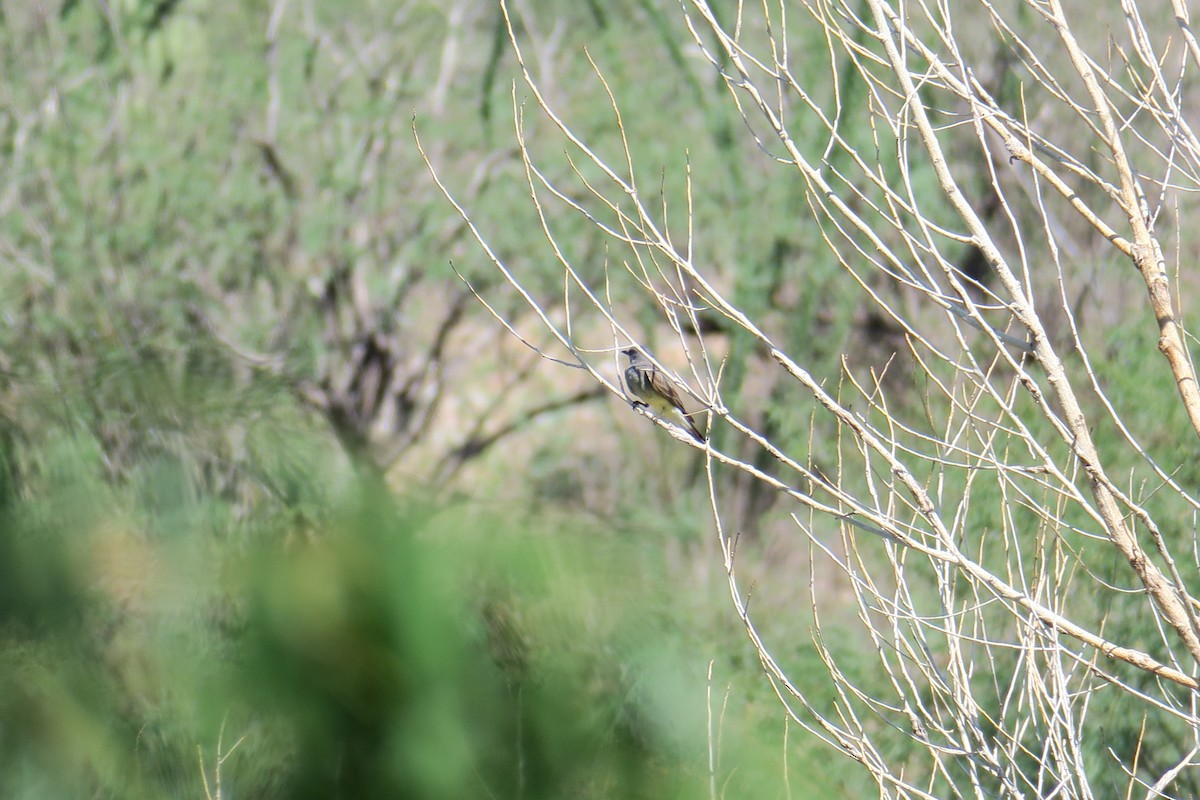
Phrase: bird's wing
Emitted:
{"points": [[664, 386]]}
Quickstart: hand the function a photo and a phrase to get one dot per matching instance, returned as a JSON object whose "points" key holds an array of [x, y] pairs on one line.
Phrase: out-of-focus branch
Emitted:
{"points": [[478, 442]]}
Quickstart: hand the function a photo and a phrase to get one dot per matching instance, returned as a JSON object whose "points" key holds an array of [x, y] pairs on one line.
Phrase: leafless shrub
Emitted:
{"points": [[1018, 557]]}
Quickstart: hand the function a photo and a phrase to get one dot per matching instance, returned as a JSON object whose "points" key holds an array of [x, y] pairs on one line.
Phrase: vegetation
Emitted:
{"points": [[317, 478]]}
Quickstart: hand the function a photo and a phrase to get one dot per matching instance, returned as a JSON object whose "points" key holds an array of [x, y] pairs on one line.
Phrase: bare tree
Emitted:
{"points": [[305, 244], [1023, 564], [386, 312]]}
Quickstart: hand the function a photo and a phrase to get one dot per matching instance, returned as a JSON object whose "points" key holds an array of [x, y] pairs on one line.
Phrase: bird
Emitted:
{"points": [[654, 390]]}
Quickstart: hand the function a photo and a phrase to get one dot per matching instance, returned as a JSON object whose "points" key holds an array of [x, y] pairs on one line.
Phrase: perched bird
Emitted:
{"points": [[655, 391]]}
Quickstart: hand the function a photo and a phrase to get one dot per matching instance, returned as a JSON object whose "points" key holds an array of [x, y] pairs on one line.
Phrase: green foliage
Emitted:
{"points": [[387, 649]]}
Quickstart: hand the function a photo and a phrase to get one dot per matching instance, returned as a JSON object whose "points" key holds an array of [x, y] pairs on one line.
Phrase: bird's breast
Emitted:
{"points": [[635, 380]]}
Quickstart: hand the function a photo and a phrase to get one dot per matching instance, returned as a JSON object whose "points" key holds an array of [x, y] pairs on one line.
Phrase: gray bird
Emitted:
{"points": [[655, 390]]}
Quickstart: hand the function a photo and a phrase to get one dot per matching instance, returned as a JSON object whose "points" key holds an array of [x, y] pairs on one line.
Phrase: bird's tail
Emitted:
{"points": [[690, 424]]}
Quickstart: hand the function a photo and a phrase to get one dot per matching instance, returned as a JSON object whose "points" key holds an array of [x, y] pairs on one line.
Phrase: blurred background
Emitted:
{"points": [[284, 512]]}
